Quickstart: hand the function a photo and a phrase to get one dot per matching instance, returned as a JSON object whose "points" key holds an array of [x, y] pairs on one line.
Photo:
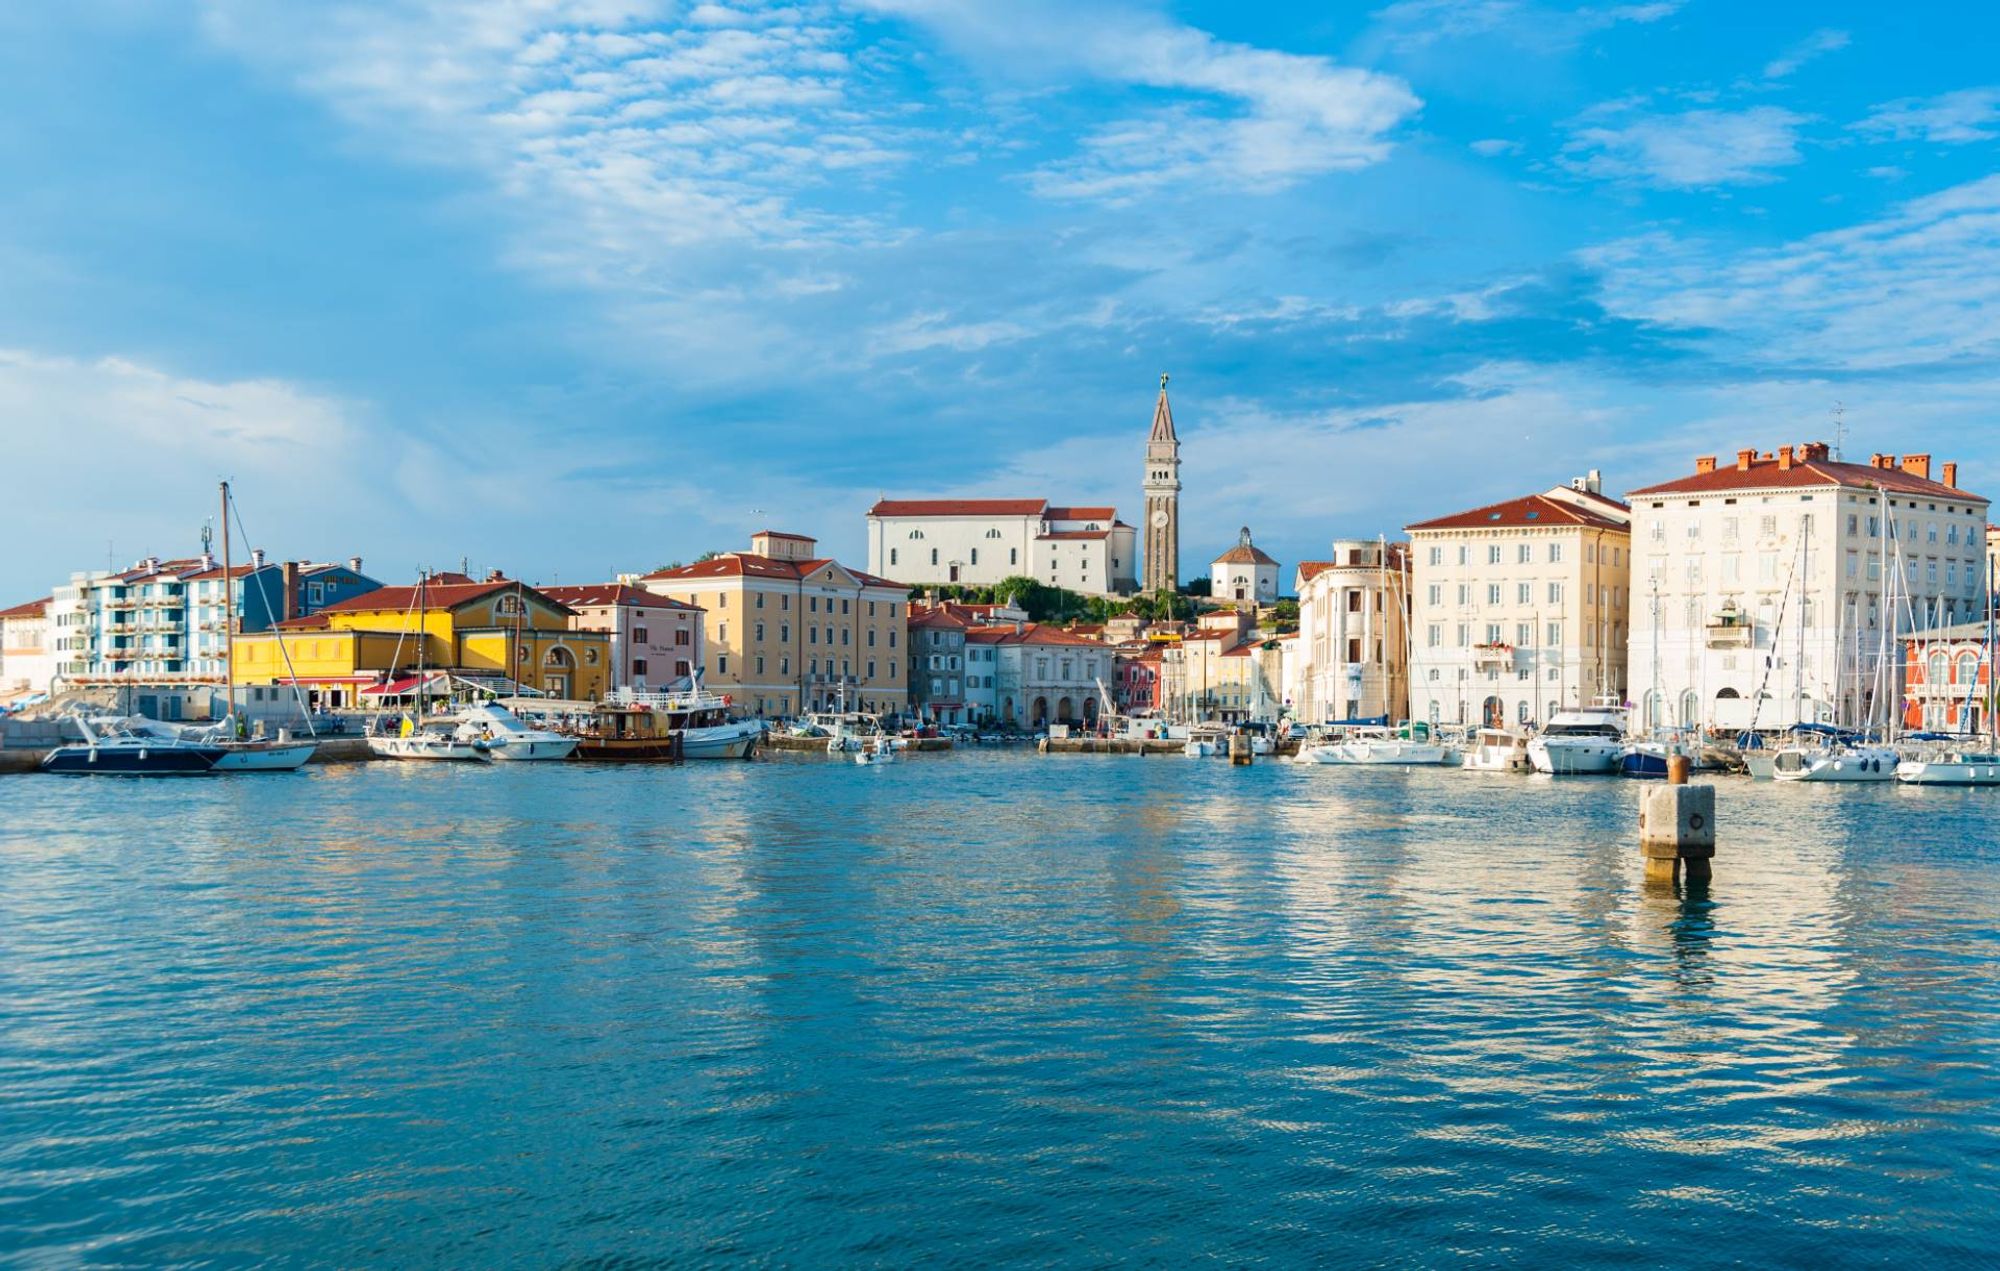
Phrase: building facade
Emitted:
{"points": [[1224, 670], [1519, 609], [1949, 679], [1774, 589], [656, 641], [1039, 675], [788, 630], [27, 652], [1352, 658], [937, 666], [1163, 499], [980, 542], [1245, 575], [497, 634]]}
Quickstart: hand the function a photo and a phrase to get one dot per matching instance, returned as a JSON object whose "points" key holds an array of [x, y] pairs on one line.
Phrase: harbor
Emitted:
{"points": [[449, 1014]]}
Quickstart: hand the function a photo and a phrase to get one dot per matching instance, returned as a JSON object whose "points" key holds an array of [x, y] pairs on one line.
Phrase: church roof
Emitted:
{"points": [[959, 507], [1245, 554], [1163, 417]]}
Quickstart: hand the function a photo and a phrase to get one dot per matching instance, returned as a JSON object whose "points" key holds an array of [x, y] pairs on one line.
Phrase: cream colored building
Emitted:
{"points": [[1222, 671], [1245, 575], [27, 651], [1765, 589], [1353, 648], [1520, 609], [788, 630]]}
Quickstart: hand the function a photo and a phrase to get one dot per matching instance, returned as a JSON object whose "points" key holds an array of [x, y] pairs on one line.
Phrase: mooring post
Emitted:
{"points": [[1239, 748], [1677, 827]]}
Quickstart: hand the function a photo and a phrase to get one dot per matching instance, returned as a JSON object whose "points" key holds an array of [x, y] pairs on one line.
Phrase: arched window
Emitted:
{"points": [[1968, 669], [993, 533], [916, 533], [1935, 669]]}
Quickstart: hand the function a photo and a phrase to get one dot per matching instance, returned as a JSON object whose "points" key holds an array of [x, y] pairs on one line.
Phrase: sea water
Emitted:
{"points": [[989, 1007]]}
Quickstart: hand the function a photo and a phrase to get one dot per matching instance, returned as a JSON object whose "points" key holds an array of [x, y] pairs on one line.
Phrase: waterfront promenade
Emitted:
{"points": [[984, 1007]]}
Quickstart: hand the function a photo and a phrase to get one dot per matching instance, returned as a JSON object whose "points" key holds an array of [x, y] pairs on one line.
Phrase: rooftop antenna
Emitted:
{"points": [[1839, 432]]}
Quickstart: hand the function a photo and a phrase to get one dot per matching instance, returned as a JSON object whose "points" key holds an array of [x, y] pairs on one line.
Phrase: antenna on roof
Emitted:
{"points": [[1839, 431]]}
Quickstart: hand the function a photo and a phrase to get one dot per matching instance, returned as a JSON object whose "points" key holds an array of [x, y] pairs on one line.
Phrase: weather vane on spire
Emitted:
{"points": [[1163, 381]]}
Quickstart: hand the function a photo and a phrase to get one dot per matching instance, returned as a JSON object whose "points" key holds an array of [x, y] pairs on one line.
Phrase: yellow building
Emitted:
{"points": [[788, 630], [497, 631]]}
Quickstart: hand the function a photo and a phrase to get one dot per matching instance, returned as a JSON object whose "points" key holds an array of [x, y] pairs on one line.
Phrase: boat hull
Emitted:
{"points": [[132, 761], [425, 749], [1370, 755], [724, 741], [544, 748], [1949, 772], [1847, 768], [1564, 758], [276, 756]]}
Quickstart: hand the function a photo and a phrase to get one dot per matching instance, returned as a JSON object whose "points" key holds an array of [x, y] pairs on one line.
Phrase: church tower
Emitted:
{"points": [[1163, 500]]}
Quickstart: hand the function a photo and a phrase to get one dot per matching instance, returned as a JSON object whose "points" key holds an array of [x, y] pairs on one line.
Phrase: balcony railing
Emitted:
{"points": [[1731, 633], [1492, 657]]}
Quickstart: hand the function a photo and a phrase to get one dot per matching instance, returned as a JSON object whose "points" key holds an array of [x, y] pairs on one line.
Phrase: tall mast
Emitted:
{"points": [[228, 611]]}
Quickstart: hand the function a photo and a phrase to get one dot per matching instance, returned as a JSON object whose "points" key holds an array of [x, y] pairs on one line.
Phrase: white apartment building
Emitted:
{"points": [[1352, 652], [27, 651], [1520, 609], [1772, 590], [1245, 575], [979, 542]]}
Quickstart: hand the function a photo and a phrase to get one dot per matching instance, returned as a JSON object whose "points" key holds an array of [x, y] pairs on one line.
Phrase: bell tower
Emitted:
{"points": [[1163, 500]]}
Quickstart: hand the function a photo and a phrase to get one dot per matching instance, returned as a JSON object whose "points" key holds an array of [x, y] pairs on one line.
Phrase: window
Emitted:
{"points": [[1524, 634], [1525, 555], [760, 600], [722, 664], [975, 556], [1464, 554], [1436, 635], [1493, 593], [1013, 556], [1493, 554], [1555, 553], [1465, 593], [1556, 593], [1555, 635], [1524, 593], [639, 636], [892, 556], [760, 633], [843, 604], [1437, 555], [639, 666]]}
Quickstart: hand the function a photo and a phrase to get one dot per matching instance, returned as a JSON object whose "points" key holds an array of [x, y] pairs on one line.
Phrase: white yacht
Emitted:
{"points": [[1943, 766], [508, 738], [1587, 740], [1837, 762]]}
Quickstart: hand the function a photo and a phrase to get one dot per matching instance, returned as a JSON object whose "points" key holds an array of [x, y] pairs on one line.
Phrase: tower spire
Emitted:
{"points": [[1163, 497]]}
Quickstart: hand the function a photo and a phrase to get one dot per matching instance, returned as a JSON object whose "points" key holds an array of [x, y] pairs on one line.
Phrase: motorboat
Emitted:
{"points": [[509, 738], [1586, 740], [880, 750], [254, 753], [1497, 750], [430, 742], [1199, 748], [110, 748], [1647, 759]]}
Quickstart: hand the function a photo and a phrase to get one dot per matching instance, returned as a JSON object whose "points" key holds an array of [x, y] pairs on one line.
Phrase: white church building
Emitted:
{"points": [[978, 542]]}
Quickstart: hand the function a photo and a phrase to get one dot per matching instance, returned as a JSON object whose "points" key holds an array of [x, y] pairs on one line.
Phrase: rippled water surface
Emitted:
{"points": [[987, 1007]]}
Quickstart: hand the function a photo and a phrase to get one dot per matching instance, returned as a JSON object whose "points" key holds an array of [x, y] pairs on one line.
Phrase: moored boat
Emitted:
{"points": [[435, 742], [1589, 740], [111, 749], [506, 737], [1497, 750]]}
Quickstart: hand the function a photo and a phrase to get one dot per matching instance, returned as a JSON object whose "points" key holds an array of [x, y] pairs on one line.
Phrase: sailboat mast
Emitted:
{"points": [[228, 612]]}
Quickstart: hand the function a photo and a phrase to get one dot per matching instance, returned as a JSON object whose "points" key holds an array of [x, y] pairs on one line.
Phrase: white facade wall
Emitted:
{"points": [[1796, 578], [1353, 646], [1234, 582], [979, 551], [27, 655]]}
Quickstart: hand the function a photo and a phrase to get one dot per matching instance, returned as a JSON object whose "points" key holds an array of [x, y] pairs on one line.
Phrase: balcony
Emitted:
{"points": [[1493, 657], [1731, 629]]}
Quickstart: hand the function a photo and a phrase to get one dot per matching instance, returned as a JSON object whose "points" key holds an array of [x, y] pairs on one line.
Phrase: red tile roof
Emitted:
{"points": [[746, 565], [33, 609], [593, 595], [1245, 554], [959, 507], [1030, 633], [311, 622], [1072, 535], [796, 538], [1081, 514], [436, 595], [939, 619], [1766, 473], [1311, 569], [1534, 511]]}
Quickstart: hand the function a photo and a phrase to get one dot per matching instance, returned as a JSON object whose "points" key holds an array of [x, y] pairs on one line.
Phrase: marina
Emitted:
{"points": [[790, 1011]]}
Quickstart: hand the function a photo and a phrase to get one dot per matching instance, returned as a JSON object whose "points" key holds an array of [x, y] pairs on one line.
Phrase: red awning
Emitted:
{"points": [[397, 688]]}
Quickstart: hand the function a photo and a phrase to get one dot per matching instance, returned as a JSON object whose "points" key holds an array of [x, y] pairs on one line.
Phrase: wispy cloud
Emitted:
{"points": [[1917, 288], [1971, 114], [1411, 25], [1818, 44], [1697, 149]]}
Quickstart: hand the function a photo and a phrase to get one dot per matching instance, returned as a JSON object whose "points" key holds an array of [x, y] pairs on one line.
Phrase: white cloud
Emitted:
{"points": [[1413, 25], [1971, 114], [1257, 118], [1818, 44], [1698, 149], [1494, 147], [1919, 287]]}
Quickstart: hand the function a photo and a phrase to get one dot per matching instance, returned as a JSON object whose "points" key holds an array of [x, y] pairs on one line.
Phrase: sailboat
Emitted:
{"points": [[1836, 755], [413, 740], [1951, 759], [240, 751]]}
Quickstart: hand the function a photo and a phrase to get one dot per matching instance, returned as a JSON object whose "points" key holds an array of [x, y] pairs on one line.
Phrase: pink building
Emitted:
{"points": [[656, 642]]}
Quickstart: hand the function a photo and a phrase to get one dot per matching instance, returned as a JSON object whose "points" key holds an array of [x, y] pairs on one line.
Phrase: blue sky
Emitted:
{"points": [[575, 286]]}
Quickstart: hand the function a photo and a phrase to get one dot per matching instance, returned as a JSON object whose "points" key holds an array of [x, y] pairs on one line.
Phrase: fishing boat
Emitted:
{"points": [[878, 750], [1585, 741], [628, 734], [109, 748], [1497, 750], [507, 738]]}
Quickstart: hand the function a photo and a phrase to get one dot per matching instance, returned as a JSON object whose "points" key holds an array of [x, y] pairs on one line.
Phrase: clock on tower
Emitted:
{"points": [[1163, 499]]}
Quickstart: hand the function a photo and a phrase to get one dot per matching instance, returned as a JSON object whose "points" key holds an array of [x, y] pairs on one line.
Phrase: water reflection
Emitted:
{"points": [[985, 1007]]}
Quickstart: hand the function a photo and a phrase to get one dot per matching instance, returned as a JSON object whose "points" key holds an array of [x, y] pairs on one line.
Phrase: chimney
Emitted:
{"points": [[495, 576], [1816, 451], [1704, 465], [1951, 475], [291, 589], [1596, 481], [1745, 458], [354, 563], [1918, 466], [256, 558], [1784, 458]]}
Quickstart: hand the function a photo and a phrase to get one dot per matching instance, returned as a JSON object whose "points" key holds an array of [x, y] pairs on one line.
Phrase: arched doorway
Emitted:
{"points": [[1039, 714], [1690, 709], [1494, 712], [1065, 710], [558, 671], [1007, 710], [1090, 711]]}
